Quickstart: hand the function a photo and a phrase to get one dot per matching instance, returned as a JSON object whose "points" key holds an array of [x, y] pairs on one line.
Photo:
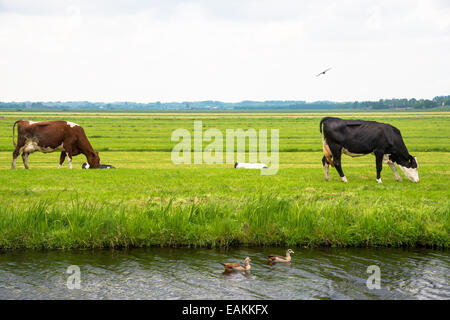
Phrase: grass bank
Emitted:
{"points": [[258, 221]]}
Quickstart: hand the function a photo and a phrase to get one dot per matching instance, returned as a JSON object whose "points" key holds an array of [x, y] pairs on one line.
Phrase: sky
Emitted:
{"points": [[230, 50]]}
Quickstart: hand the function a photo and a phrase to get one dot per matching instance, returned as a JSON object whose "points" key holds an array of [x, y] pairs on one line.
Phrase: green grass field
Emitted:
{"points": [[150, 201]]}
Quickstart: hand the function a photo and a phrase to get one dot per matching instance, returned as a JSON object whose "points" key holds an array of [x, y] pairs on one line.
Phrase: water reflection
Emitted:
{"points": [[198, 274]]}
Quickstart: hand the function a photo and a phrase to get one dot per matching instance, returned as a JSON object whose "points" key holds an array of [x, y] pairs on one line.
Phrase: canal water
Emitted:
{"points": [[163, 273]]}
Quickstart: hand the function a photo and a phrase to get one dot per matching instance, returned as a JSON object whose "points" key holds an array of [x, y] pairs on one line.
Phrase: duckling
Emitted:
{"points": [[275, 258], [237, 266]]}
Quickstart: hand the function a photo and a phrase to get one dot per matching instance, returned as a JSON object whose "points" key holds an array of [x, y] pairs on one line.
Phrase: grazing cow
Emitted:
{"points": [[50, 136], [357, 138]]}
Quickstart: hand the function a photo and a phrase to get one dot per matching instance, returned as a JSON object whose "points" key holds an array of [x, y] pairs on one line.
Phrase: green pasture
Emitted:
{"points": [[149, 201], [298, 131]]}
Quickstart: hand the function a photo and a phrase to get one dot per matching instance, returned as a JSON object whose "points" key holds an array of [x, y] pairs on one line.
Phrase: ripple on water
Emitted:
{"points": [[197, 274]]}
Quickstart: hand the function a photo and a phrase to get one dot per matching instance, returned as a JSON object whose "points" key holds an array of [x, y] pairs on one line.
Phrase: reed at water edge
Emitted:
{"points": [[255, 221]]}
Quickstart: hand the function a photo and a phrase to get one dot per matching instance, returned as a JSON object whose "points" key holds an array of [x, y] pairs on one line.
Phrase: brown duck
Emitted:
{"points": [[275, 258], [237, 266]]}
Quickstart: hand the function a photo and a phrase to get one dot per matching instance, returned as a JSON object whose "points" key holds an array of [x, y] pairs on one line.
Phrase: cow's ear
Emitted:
{"points": [[413, 161]]}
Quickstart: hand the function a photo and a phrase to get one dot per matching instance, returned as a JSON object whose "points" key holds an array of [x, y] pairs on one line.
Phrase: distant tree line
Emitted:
{"points": [[439, 101]]}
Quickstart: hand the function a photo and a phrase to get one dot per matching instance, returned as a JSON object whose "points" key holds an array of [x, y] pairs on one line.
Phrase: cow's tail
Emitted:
{"points": [[320, 127], [14, 143], [326, 149]]}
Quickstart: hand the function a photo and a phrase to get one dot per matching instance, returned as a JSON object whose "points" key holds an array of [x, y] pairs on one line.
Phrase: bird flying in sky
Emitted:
{"points": [[323, 72]]}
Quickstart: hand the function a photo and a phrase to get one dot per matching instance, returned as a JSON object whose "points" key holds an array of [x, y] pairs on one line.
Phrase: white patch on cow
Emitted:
{"points": [[411, 173], [59, 166], [326, 150], [32, 146], [386, 158], [71, 124], [344, 179], [379, 181], [326, 171], [87, 166], [70, 160], [351, 154], [31, 122]]}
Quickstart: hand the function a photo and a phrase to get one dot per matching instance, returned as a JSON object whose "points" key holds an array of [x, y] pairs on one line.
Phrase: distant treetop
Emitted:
{"points": [[439, 101]]}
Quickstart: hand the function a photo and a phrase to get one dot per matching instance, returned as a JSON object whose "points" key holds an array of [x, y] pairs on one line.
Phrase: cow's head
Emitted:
{"points": [[410, 168], [93, 160]]}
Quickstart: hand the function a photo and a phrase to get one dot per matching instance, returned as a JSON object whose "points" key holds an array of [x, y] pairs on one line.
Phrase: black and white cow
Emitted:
{"points": [[357, 138]]}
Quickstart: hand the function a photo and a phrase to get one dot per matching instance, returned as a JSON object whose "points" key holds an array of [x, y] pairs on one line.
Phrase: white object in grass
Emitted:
{"points": [[244, 165]]}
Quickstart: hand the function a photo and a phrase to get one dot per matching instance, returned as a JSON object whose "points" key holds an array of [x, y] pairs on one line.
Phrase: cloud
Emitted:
{"points": [[227, 50]]}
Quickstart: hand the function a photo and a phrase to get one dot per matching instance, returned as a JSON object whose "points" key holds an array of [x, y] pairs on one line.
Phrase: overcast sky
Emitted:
{"points": [[230, 50]]}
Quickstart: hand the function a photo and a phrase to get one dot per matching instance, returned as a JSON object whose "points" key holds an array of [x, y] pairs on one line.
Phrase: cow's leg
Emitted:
{"points": [[336, 150], [394, 170], [70, 150], [379, 162], [69, 158], [326, 167], [337, 164], [16, 152], [15, 156], [25, 159], [62, 157]]}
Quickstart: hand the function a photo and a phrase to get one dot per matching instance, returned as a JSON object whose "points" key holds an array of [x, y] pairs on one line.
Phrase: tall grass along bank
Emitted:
{"points": [[253, 221]]}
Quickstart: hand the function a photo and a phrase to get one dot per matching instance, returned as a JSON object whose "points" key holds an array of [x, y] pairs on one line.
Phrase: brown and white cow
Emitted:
{"points": [[50, 136]]}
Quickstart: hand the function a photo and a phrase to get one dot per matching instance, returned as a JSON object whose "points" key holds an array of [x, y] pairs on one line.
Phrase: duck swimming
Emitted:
{"points": [[229, 267], [275, 258]]}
